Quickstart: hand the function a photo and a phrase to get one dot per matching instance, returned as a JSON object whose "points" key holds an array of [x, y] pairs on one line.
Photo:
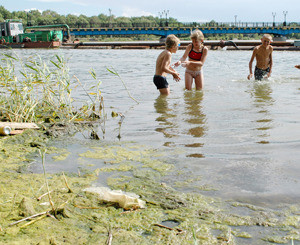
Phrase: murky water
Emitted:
{"points": [[239, 137]]}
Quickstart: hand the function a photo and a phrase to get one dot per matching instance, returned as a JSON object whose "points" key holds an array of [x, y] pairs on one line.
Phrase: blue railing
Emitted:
{"points": [[280, 29], [186, 24]]}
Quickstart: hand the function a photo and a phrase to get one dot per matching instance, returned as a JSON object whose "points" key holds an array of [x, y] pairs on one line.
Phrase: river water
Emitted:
{"points": [[241, 138]]}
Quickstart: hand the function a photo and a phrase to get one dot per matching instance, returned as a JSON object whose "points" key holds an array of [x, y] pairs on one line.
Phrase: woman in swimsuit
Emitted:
{"points": [[196, 53]]}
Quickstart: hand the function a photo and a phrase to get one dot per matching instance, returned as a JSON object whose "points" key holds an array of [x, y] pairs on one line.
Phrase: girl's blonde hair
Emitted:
{"points": [[197, 35]]}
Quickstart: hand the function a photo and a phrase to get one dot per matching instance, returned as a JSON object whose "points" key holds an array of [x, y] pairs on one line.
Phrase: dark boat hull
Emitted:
{"points": [[12, 45], [52, 44]]}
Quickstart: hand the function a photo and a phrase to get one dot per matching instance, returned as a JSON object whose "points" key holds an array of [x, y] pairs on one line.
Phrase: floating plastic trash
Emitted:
{"points": [[5, 130], [123, 199]]}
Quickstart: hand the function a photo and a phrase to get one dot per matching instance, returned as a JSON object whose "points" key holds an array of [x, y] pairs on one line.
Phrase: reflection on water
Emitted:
{"points": [[188, 118], [261, 92], [166, 117], [193, 110], [195, 118]]}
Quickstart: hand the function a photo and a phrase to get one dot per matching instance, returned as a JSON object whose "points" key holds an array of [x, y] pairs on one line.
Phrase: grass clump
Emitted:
{"points": [[43, 92]]}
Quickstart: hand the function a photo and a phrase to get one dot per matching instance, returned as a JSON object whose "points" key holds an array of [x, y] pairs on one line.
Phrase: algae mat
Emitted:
{"points": [[67, 215]]}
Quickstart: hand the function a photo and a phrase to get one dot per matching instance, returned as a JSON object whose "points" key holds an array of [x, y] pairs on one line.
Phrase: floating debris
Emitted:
{"points": [[123, 199]]}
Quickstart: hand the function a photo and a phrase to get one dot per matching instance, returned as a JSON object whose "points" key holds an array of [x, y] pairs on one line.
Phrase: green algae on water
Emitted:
{"points": [[128, 154], [82, 219]]}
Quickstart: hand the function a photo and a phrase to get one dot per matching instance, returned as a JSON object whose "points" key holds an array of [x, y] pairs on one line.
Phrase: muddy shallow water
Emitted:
{"points": [[237, 139]]}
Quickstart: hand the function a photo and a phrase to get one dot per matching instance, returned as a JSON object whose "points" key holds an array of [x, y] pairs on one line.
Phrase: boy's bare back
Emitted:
{"points": [[163, 60], [163, 67]]}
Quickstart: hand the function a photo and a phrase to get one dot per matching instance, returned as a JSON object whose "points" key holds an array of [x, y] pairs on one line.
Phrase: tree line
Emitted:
{"points": [[49, 17]]}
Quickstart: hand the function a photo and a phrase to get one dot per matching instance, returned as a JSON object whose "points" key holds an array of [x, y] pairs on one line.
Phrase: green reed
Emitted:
{"points": [[36, 91], [114, 72]]}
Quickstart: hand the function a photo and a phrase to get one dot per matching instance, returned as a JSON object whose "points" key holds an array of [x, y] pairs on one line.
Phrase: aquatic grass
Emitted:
{"points": [[42, 154], [194, 237], [42, 92], [114, 72], [94, 97]]}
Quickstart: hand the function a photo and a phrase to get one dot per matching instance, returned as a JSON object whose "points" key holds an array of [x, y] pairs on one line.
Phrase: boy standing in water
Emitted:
{"points": [[263, 56], [163, 65], [196, 52]]}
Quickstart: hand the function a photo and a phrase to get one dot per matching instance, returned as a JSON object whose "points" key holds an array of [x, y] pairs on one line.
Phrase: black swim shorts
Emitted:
{"points": [[259, 73], [160, 81]]}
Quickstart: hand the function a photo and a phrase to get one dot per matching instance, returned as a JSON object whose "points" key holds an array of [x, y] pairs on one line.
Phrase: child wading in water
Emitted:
{"points": [[196, 52], [263, 56], [163, 65]]}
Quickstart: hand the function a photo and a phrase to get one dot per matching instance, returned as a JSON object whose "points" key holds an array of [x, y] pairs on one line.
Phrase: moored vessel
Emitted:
{"points": [[13, 35]]}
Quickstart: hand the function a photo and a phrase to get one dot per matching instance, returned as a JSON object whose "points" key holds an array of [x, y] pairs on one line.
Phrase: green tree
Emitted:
{"points": [[48, 17], [103, 18], [94, 21], [71, 20], [21, 15], [33, 16], [5, 13], [173, 22], [212, 23], [123, 22], [142, 21], [51, 13], [45, 20], [60, 20], [82, 21]]}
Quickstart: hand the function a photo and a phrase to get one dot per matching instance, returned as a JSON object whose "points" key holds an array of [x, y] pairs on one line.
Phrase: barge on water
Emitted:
{"points": [[13, 35]]}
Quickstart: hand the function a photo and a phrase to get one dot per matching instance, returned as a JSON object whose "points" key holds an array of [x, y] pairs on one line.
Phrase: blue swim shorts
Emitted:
{"points": [[160, 81]]}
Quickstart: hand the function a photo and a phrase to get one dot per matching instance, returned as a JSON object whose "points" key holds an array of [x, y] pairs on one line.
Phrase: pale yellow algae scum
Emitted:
{"points": [[75, 218], [132, 156]]}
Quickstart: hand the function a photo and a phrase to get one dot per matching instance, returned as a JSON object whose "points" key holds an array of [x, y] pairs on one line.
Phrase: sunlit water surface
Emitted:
{"points": [[238, 137]]}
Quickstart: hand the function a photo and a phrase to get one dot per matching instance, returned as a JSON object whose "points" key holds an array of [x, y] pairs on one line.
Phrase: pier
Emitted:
{"points": [[211, 44], [278, 30]]}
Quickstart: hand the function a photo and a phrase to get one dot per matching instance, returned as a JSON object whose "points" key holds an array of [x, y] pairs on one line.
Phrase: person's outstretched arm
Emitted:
{"points": [[184, 56]]}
